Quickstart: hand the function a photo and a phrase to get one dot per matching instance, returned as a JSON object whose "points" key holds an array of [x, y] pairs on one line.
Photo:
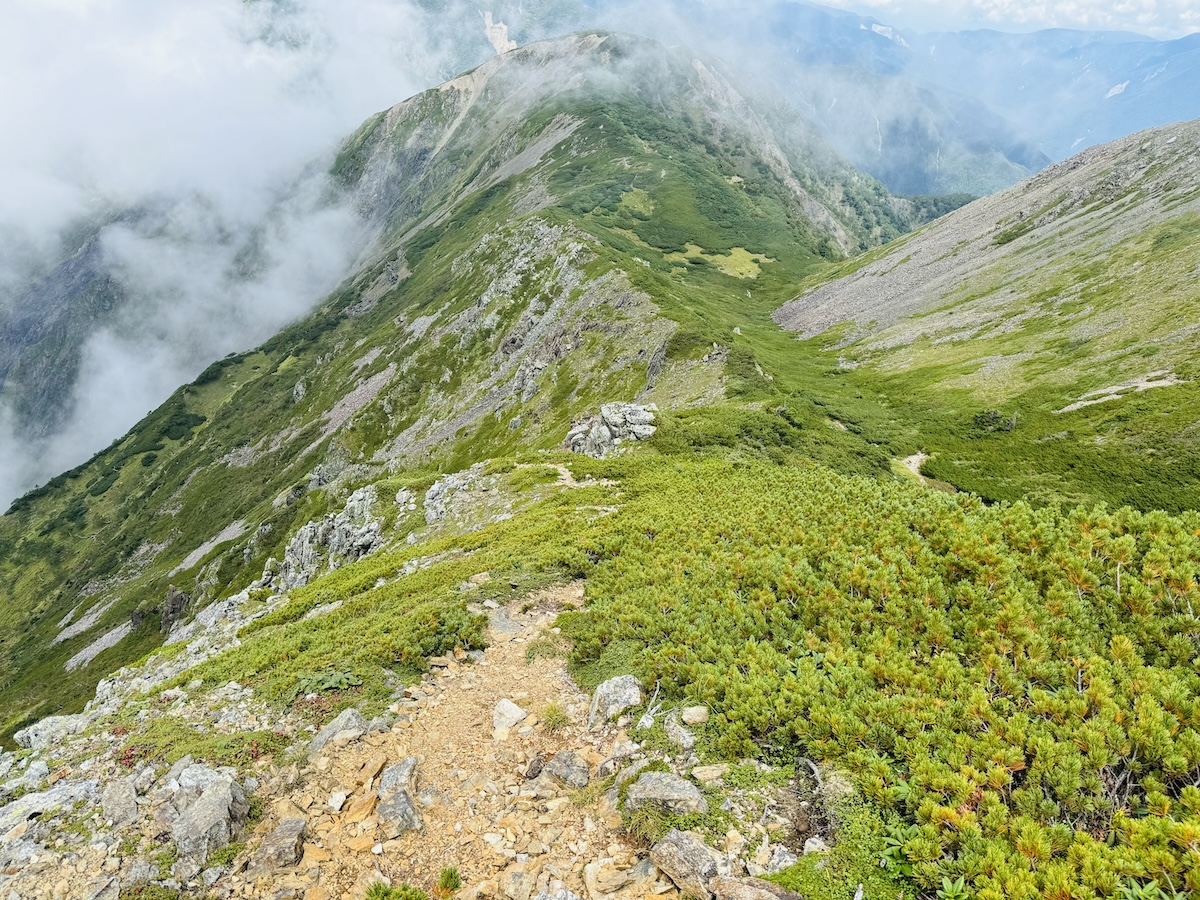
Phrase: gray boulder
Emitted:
{"points": [[281, 848], [211, 822], [727, 888], [400, 777], [50, 731], [569, 769], [666, 792], [61, 796], [348, 721], [612, 698], [399, 813], [119, 802], [685, 859]]}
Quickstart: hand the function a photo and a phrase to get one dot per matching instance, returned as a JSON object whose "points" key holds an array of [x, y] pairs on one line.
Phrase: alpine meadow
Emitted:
{"points": [[659, 507]]}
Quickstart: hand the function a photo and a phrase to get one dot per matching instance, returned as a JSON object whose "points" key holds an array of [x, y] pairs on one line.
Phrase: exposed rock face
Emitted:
{"points": [[336, 539], [212, 821], [612, 698], [686, 861], [668, 792], [173, 607], [617, 423], [49, 731]]}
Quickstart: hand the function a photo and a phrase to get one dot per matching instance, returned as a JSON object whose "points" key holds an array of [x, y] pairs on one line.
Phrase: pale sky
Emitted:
{"points": [[1162, 19]]}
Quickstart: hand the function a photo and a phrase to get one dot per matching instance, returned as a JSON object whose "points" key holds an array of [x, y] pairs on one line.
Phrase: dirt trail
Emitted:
{"points": [[480, 812]]}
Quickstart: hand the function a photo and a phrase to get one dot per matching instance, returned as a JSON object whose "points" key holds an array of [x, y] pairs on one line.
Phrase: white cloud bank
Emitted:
{"points": [[1163, 19]]}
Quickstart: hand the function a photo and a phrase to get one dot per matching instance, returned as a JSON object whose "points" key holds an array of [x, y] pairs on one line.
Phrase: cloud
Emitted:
{"points": [[1162, 19], [202, 115]]}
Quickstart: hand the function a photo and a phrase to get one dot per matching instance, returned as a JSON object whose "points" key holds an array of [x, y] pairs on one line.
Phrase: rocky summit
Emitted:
{"points": [[657, 510]]}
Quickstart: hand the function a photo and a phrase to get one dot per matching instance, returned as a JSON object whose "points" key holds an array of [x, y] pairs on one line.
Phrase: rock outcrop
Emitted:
{"points": [[617, 423]]}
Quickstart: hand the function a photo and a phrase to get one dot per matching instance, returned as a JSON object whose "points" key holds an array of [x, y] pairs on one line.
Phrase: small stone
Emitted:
{"points": [[535, 768], [710, 774], [506, 715], [695, 715], [677, 734], [337, 801], [812, 845]]}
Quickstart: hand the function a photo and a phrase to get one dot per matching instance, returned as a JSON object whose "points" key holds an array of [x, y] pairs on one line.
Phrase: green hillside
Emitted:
{"points": [[1001, 657]]}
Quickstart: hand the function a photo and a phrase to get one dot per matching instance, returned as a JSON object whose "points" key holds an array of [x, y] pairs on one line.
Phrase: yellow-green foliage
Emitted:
{"points": [[1019, 683]]}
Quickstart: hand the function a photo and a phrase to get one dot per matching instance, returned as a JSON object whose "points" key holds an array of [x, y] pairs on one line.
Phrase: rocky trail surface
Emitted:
{"points": [[495, 763]]}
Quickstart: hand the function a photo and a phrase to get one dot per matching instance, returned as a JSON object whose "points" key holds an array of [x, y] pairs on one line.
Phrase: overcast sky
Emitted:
{"points": [[1161, 19]]}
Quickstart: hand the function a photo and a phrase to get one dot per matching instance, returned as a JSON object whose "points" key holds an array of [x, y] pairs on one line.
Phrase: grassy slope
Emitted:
{"points": [[1052, 307], [637, 182]]}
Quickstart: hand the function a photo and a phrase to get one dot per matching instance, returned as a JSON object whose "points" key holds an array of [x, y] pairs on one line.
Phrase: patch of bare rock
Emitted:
{"points": [[495, 763]]}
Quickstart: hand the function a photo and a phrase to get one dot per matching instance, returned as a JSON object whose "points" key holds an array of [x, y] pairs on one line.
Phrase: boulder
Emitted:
{"points": [[50, 731], [400, 777], [211, 822], [399, 814], [119, 802], [201, 777], [569, 769], [281, 848], [612, 698], [666, 792], [685, 859], [348, 721]]}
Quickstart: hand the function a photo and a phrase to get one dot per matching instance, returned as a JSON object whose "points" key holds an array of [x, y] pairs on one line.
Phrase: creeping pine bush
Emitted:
{"points": [[1017, 686]]}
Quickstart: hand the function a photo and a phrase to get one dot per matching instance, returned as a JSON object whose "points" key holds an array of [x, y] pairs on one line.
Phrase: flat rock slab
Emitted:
{"points": [[669, 793], [725, 888], [281, 848], [569, 769]]}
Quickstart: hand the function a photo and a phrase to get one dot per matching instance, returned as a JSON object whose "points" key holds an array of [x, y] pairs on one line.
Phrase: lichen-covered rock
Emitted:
{"points": [[685, 859], [668, 793], [612, 698], [617, 423], [49, 731], [212, 822], [569, 769], [400, 777], [399, 813]]}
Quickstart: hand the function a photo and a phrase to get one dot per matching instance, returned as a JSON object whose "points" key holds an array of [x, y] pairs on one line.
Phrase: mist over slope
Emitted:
{"points": [[564, 226], [143, 237]]}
